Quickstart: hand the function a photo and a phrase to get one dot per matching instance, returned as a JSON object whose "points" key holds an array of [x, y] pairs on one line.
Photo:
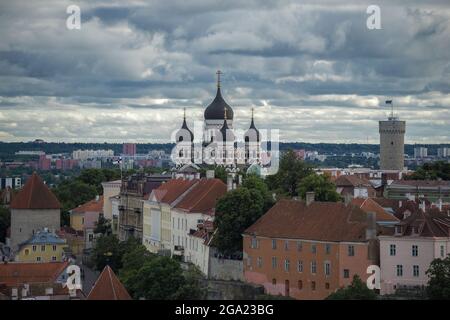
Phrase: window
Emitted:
{"points": [[254, 243], [415, 251], [274, 244], [415, 270], [351, 250], [327, 285], [286, 288], [313, 267], [42, 248], [38, 259], [274, 281], [313, 248], [346, 273], [34, 248], [392, 250], [173, 223], [286, 265], [327, 268], [313, 285], [27, 252], [299, 246], [82, 220], [442, 251], [286, 245], [399, 270], [259, 262], [300, 284], [91, 237], [327, 248], [300, 266], [274, 262], [54, 248], [53, 258], [249, 261]]}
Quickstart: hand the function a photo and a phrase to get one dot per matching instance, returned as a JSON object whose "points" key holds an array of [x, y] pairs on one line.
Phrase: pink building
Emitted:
{"points": [[129, 149], [44, 162], [406, 253]]}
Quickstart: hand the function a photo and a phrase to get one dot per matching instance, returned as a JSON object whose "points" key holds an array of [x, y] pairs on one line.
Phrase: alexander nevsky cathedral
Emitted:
{"points": [[219, 144]]}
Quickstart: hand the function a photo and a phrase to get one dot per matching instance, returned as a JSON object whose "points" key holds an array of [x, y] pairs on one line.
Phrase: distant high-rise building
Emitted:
{"points": [[443, 152], [392, 143], [420, 152], [44, 162], [129, 149]]}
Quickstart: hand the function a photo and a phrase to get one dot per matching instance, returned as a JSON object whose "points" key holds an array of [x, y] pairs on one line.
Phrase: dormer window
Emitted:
{"points": [[398, 230]]}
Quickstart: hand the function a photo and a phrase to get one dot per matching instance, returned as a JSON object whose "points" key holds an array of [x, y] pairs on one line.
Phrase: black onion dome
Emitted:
{"points": [[185, 131], [227, 133], [215, 110], [252, 132]]}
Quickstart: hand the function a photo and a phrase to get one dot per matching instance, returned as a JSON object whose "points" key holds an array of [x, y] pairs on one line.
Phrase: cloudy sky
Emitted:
{"points": [[311, 69]]}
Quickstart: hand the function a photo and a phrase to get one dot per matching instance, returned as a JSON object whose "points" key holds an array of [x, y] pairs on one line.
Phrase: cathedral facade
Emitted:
{"points": [[218, 144]]}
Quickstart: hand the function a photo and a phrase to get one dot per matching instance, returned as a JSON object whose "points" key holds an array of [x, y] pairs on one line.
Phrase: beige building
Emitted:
{"points": [[111, 191], [392, 144]]}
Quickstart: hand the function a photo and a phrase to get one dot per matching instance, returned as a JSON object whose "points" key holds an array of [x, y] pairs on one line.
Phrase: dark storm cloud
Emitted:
{"points": [[311, 69]]}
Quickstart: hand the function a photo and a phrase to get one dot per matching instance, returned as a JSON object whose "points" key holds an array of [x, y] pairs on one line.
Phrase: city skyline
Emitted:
{"points": [[313, 71]]}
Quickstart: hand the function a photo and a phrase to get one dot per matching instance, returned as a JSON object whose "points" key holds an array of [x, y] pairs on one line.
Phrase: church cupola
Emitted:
{"points": [[215, 109], [227, 133], [252, 134], [184, 134]]}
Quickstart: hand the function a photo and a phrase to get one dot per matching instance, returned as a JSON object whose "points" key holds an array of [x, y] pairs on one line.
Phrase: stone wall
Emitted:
{"points": [[26, 221], [226, 269]]}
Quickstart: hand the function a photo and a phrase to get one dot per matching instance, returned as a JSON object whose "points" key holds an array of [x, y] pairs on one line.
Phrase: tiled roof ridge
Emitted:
{"points": [[215, 181], [111, 281], [184, 194]]}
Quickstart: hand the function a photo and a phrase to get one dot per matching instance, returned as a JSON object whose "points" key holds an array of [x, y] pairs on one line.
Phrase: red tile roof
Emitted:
{"points": [[170, 191], [202, 198], [369, 205], [35, 195], [108, 287], [421, 183], [20, 273], [90, 206], [323, 221], [431, 223], [351, 181]]}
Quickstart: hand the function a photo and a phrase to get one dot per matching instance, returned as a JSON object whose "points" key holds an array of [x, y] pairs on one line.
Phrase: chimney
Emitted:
{"points": [[97, 197], [348, 198], [422, 206], [371, 230], [439, 204], [371, 236], [310, 197]]}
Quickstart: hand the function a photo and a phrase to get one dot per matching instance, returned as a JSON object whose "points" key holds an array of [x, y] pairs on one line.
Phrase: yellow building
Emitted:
{"points": [[43, 246]]}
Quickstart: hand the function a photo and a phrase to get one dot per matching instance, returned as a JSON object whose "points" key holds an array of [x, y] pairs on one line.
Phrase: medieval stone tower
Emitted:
{"points": [[34, 208], [392, 143]]}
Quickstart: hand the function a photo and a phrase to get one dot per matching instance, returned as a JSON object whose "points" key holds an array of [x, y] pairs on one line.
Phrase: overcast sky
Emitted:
{"points": [[312, 70]]}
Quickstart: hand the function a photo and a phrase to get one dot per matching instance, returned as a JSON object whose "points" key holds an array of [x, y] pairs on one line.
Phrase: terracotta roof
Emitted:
{"points": [[351, 181], [108, 287], [35, 195], [90, 206], [203, 196], [323, 221], [431, 223], [387, 203], [369, 205], [171, 190], [20, 273]]}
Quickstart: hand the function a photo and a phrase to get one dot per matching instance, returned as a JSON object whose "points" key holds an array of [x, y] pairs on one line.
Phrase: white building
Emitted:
{"points": [[420, 152], [405, 256], [91, 154], [443, 152]]}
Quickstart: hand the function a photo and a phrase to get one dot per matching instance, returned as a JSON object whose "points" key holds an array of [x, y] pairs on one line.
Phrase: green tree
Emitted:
{"points": [[103, 226], [255, 182], [193, 287], [95, 177], [5, 222], [439, 279], [323, 188], [291, 171], [357, 290], [159, 279], [109, 251], [432, 171], [235, 212]]}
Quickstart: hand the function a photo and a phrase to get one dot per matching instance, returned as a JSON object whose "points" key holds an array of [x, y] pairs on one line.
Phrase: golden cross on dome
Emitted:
{"points": [[225, 113], [184, 113], [253, 109]]}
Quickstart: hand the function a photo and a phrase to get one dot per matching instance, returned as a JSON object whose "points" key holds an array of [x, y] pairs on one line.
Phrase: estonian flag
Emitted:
{"points": [[388, 101]]}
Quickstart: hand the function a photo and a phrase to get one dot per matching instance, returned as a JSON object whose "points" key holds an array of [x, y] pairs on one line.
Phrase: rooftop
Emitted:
{"points": [[35, 195], [171, 190], [20, 273], [320, 221], [95, 205], [108, 287], [45, 237]]}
